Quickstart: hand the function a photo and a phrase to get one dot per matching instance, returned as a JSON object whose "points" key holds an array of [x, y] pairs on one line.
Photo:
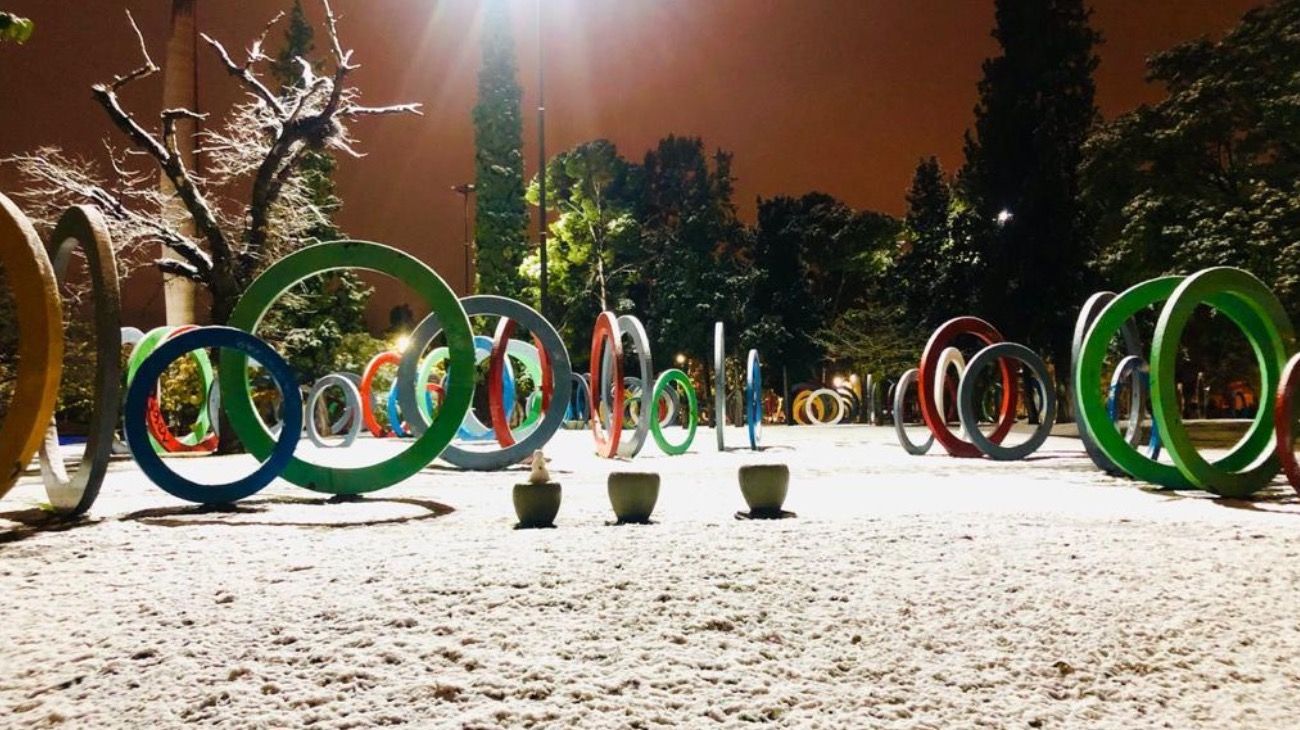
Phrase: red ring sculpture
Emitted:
{"points": [[1283, 411], [606, 330], [157, 424], [938, 425], [367, 398], [496, 383]]}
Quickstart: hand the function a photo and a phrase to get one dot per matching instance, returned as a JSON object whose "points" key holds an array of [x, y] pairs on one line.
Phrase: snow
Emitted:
{"points": [[910, 592]]}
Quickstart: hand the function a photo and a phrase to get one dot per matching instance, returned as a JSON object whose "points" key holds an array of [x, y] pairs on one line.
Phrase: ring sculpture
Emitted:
{"points": [[84, 227], [1243, 299], [40, 342], [663, 384], [137, 414], [950, 359], [719, 384], [754, 399], [909, 378], [352, 406], [368, 397], [631, 327], [1134, 369], [419, 278], [1132, 343], [200, 437], [556, 370], [814, 412], [930, 379], [999, 353], [1284, 417], [605, 338]]}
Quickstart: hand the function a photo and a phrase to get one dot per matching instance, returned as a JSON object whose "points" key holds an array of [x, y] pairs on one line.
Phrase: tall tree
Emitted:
{"points": [[500, 212], [592, 240], [921, 281], [1036, 106]]}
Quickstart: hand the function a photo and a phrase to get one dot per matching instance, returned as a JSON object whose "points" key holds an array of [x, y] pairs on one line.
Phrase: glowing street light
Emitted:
{"points": [[681, 358], [1005, 216]]}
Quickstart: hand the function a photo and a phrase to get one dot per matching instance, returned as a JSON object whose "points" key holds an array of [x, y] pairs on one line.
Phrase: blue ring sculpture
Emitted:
{"points": [[146, 379], [754, 399]]}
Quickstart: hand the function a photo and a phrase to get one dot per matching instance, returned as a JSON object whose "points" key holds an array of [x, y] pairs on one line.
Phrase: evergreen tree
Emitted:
{"points": [[500, 213], [920, 277], [1036, 106]]}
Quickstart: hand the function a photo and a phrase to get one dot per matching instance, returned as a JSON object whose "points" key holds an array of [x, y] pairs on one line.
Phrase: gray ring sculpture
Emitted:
{"points": [[343, 419], [1131, 366], [352, 407], [561, 381], [900, 402], [84, 227], [1132, 346], [719, 384], [970, 416], [632, 327]]}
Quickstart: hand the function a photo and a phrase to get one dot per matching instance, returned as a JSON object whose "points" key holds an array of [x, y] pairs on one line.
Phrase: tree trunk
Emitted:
{"points": [[180, 90]]}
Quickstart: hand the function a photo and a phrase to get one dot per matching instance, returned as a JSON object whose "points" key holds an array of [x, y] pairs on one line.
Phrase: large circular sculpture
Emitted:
{"points": [[719, 384], [631, 327], [605, 335], [1284, 417], [84, 227], [663, 384], [557, 365], [754, 399], [1132, 346], [929, 379], [1256, 310], [352, 407], [909, 378], [228, 339], [40, 342], [969, 414], [322, 257]]}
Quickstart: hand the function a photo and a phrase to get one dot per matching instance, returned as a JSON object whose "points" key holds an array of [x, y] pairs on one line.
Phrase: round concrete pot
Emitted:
{"points": [[765, 487], [633, 495], [536, 505]]}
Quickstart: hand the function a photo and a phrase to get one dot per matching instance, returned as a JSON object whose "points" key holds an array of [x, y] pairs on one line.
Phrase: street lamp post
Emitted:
{"points": [[464, 191], [541, 156]]}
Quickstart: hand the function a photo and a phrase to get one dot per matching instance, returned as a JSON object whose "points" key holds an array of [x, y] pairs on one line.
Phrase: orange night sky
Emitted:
{"points": [[841, 96]]}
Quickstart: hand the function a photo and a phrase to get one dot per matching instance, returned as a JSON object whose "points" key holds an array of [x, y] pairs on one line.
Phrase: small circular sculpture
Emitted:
{"points": [[1132, 347], [908, 379], [419, 278], [664, 383], [754, 399], [84, 227], [200, 437], [579, 410], [38, 307], [929, 380], [555, 369], [632, 327], [816, 418], [352, 406], [1254, 308], [966, 411], [536, 364], [606, 335], [1134, 369], [368, 374], [950, 359], [719, 384], [137, 414]]}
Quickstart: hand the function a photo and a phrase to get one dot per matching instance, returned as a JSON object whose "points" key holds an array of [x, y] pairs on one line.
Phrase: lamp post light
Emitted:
{"points": [[464, 191]]}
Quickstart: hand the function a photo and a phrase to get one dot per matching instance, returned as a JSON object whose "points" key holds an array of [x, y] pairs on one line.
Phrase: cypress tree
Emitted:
{"points": [[1036, 107], [500, 215]]}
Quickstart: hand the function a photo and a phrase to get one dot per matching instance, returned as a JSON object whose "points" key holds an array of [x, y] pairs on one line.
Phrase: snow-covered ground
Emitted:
{"points": [[910, 592]]}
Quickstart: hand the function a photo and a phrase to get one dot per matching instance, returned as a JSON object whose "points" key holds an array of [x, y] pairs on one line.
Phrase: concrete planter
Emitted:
{"points": [[765, 487], [536, 505], [633, 495]]}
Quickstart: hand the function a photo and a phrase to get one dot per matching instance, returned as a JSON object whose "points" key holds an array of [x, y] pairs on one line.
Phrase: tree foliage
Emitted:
{"points": [[500, 212], [1036, 106], [15, 28]]}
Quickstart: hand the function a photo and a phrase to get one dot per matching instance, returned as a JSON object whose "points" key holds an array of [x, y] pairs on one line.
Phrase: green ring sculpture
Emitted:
{"points": [[143, 349], [295, 267], [84, 227], [662, 383], [1256, 310], [1092, 405]]}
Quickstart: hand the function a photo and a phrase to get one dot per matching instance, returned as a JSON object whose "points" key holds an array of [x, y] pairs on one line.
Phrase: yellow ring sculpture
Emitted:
{"points": [[40, 342]]}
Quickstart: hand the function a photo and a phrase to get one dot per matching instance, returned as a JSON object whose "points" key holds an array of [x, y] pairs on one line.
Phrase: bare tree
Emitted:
{"points": [[259, 148]]}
